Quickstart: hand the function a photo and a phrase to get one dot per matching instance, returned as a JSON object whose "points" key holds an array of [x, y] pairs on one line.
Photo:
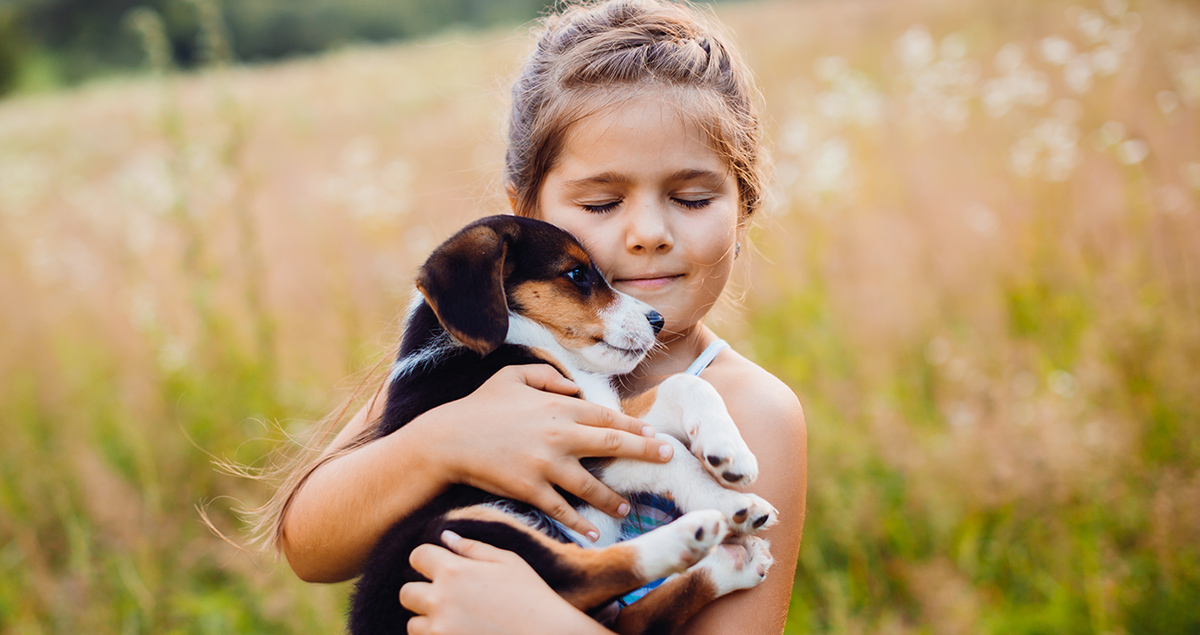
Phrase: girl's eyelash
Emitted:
{"points": [[600, 208], [693, 204]]}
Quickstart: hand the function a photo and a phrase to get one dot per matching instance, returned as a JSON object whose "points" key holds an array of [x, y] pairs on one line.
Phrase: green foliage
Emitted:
{"points": [[999, 369]]}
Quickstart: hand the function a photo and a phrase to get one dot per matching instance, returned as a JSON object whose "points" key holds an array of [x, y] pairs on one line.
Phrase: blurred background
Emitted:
{"points": [[979, 268]]}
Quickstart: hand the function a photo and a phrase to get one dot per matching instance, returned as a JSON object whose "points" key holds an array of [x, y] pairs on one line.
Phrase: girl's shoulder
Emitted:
{"points": [[756, 398]]}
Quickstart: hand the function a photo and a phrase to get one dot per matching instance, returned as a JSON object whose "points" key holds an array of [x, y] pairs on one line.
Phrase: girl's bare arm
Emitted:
{"points": [[772, 422], [517, 436]]}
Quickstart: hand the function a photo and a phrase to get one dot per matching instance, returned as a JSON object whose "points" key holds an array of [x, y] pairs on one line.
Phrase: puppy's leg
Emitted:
{"points": [[592, 578], [684, 480], [690, 409], [730, 567]]}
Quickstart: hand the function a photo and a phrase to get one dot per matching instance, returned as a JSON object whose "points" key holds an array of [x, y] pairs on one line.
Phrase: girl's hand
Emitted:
{"points": [[479, 589], [523, 432]]}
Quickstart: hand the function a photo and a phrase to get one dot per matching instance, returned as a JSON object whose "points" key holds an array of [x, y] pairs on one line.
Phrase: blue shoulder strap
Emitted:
{"points": [[706, 357]]}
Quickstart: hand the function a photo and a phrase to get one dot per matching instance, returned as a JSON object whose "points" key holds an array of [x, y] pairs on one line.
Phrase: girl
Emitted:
{"points": [[632, 127]]}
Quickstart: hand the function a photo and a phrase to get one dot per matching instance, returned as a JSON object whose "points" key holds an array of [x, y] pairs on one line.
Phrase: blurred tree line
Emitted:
{"points": [[48, 43]]}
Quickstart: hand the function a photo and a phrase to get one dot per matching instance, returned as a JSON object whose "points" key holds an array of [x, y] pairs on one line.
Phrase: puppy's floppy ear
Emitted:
{"points": [[463, 281]]}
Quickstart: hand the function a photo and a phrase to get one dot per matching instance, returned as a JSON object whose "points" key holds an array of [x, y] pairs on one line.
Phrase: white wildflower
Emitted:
{"points": [[1105, 61], [1057, 50], [795, 137], [938, 350], [1131, 22], [1112, 133], [1114, 8], [954, 46], [1171, 199], [1167, 100], [1191, 175], [1061, 383], [1132, 151], [830, 67], [1009, 58], [1024, 384], [1121, 40], [1078, 73], [829, 173], [963, 416], [915, 48], [982, 219], [1092, 25]]}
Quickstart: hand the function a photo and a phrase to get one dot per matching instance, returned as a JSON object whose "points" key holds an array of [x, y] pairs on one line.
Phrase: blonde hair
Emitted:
{"points": [[586, 58], [590, 54]]}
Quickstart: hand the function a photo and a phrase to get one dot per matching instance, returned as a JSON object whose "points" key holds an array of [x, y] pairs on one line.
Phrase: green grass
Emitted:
{"points": [[1000, 367]]}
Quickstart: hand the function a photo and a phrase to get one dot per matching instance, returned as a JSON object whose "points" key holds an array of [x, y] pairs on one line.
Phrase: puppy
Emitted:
{"points": [[507, 290]]}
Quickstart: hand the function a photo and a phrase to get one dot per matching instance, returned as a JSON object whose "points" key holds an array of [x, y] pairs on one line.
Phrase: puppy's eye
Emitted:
{"points": [[579, 275]]}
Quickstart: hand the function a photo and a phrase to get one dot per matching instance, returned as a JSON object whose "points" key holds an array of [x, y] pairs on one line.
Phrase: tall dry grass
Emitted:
{"points": [[978, 269]]}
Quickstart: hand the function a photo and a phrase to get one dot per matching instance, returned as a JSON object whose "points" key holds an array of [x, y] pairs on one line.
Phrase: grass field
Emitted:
{"points": [[979, 268]]}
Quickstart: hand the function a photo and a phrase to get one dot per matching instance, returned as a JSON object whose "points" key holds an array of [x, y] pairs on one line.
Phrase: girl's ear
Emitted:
{"points": [[511, 191], [463, 282]]}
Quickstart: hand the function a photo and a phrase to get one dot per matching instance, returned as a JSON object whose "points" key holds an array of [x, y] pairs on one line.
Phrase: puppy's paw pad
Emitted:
{"points": [[741, 564], [723, 453], [752, 514], [682, 543]]}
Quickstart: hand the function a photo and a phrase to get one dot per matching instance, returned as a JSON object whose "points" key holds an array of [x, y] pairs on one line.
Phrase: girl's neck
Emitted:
{"points": [[671, 357]]}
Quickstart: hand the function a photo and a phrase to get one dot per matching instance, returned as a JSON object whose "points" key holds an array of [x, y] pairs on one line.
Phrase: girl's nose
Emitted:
{"points": [[647, 229]]}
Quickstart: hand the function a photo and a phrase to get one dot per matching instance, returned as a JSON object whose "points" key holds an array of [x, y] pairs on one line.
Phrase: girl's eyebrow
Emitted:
{"points": [[709, 177], [604, 178]]}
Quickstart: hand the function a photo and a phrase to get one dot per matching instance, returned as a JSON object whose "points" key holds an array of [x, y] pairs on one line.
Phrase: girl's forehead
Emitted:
{"points": [[639, 127]]}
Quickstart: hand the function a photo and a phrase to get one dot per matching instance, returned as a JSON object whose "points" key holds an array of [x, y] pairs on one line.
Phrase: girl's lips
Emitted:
{"points": [[647, 284]]}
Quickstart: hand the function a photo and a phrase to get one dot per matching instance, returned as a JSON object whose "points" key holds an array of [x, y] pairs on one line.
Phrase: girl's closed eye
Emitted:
{"points": [[601, 206], [692, 202]]}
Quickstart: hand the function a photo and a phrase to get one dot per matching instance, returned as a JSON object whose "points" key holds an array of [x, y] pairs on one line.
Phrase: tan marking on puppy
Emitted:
{"points": [[602, 573], [639, 404], [556, 304], [669, 605], [549, 359]]}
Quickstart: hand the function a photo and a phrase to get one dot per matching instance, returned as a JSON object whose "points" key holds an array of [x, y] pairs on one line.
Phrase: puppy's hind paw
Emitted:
{"points": [[739, 564], [680, 544]]}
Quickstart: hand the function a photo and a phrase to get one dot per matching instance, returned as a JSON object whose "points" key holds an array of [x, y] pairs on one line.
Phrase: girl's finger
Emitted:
{"points": [[556, 507], [429, 559], [414, 596], [473, 549], [420, 625], [590, 414], [583, 484], [614, 443], [545, 377]]}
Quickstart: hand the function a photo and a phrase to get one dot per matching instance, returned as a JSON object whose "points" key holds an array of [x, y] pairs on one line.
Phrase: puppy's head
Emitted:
{"points": [[527, 282]]}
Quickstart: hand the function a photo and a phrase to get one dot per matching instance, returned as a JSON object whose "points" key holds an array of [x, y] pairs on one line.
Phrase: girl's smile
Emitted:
{"points": [[655, 206]]}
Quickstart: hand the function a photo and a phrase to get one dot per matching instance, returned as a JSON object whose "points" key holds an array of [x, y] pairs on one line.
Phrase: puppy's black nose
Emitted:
{"points": [[656, 321]]}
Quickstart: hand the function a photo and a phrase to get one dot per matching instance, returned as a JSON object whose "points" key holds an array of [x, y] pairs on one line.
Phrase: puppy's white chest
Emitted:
{"points": [[597, 389]]}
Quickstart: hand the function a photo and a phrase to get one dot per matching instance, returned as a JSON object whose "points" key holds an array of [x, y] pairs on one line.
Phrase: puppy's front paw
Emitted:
{"points": [[715, 440], [750, 513], [740, 564]]}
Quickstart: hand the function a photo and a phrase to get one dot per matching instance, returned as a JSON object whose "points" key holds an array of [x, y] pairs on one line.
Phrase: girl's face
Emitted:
{"points": [[653, 204]]}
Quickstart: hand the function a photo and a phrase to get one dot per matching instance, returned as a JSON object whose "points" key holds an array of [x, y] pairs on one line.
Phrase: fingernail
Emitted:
{"points": [[450, 538], [593, 536], [665, 450], [648, 431], [623, 509]]}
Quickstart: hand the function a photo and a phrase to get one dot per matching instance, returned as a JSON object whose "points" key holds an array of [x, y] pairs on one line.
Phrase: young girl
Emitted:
{"points": [[632, 127]]}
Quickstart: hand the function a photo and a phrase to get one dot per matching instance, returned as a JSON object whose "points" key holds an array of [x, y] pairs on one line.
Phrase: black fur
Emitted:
{"points": [[521, 245]]}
